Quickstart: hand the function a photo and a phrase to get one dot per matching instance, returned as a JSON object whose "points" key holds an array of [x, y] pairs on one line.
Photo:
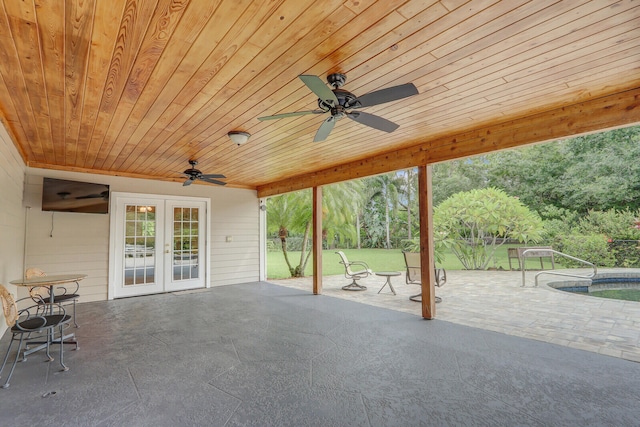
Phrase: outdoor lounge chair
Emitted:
{"points": [[361, 273], [414, 271]]}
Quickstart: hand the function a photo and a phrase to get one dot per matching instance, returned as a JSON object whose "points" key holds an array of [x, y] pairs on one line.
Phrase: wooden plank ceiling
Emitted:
{"points": [[138, 87]]}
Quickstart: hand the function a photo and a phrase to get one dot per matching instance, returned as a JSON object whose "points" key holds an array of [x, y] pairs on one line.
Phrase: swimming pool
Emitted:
{"points": [[604, 284]]}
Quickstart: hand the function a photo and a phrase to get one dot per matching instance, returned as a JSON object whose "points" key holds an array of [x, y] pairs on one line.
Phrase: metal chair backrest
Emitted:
{"points": [[414, 271], [345, 261]]}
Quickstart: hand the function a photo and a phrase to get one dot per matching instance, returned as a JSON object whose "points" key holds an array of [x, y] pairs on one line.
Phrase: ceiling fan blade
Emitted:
{"points": [[373, 121], [213, 175], [325, 129], [297, 113], [320, 88], [212, 181], [187, 182], [387, 95]]}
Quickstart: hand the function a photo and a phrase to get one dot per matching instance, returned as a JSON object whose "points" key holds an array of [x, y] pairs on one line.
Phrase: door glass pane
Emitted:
{"points": [[185, 243], [139, 251]]}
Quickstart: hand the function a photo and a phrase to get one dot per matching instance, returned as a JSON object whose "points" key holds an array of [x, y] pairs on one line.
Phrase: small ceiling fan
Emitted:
{"points": [[194, 174], [340, 103]]}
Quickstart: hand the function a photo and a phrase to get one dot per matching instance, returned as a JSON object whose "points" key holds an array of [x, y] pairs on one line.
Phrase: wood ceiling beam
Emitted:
{"points": [[617, 110]]}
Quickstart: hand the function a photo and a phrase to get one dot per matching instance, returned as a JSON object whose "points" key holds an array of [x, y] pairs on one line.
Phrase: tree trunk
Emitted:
{"points": [[283, 232], [409, 204], [358, 229], [386, 223], [304, 256]]}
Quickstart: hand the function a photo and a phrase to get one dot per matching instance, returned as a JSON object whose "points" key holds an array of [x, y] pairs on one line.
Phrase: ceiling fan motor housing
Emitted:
{"points": [[345, 100]]}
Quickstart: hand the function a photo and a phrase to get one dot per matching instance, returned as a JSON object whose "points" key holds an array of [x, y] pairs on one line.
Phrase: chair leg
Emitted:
{"points": [[6, 356], [354, 286], [15, 361], [64, 367], [74, 313], [50, 337], [418, 298]]}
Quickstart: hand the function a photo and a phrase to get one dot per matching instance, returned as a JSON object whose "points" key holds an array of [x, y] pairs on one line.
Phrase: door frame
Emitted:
{"points": [[113, 217]]}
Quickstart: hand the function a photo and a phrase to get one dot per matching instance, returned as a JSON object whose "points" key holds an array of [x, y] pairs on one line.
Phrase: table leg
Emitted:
{"points": [[388, 282], [64, 339]]}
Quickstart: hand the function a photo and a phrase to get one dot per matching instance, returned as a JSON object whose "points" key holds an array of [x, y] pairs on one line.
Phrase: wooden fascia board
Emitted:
{"points": [[617, 110]]}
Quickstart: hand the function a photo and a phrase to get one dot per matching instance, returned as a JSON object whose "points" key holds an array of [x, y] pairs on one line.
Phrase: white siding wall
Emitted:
{"points": [[64, 242], [12, 215]]}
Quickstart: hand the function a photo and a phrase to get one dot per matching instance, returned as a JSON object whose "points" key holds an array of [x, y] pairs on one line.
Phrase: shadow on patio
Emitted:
{"points": [[495, 301]]}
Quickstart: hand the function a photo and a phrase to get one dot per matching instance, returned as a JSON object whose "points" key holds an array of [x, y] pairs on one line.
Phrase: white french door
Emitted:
{"points": [[158, 244]]}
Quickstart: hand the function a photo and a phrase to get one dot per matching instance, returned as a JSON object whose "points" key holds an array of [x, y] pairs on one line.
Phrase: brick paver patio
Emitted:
{"points": [[496, 301]]}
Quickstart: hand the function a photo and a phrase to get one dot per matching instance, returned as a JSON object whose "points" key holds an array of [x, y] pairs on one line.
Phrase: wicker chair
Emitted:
{"points": [[354, 275], [414, 274], [40, 318], [41, 293]]}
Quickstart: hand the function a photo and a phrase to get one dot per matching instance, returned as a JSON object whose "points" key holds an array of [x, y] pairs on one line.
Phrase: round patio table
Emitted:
{"points": [[388, 275]]}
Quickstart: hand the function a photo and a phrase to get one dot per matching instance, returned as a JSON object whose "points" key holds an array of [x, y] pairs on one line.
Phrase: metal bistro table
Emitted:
{"points": [[388, 275], [50, 282]]}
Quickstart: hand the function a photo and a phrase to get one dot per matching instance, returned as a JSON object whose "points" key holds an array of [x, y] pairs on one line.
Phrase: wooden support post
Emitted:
{"points": [[427, 263], [317, 240]]}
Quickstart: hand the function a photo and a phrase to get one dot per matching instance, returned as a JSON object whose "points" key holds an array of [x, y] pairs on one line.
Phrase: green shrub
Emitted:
{"points": [[592, 248], [626, 252], [619, 228], [616, 225], [413, 245], [475, 223]]}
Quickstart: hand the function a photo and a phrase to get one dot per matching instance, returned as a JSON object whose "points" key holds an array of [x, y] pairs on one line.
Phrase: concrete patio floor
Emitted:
{"points": [[260, 354], [496, 301]]}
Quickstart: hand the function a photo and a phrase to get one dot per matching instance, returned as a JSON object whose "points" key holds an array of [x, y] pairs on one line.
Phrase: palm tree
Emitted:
{"points": [[292, 212], [384, 190], [408, 179], [340, 208]]}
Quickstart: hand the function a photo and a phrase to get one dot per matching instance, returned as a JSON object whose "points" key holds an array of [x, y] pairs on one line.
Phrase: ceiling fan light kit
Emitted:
{"points": [[339, 103], [238, 137]]}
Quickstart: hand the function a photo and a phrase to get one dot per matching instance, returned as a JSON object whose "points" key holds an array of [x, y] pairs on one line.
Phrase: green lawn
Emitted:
{"points": [[377, 259]]}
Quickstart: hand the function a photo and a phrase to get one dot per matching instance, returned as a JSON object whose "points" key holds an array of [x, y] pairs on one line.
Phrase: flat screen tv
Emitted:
{"points": [[60, 195]]}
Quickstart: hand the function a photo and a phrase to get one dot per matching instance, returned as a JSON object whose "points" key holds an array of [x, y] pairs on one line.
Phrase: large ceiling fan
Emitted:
{"points": [[194, 174], [341, 103]]}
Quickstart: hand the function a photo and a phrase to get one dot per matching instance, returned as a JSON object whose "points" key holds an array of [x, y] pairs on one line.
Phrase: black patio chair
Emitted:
{"points": [[62, 295], [40, 319]]}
